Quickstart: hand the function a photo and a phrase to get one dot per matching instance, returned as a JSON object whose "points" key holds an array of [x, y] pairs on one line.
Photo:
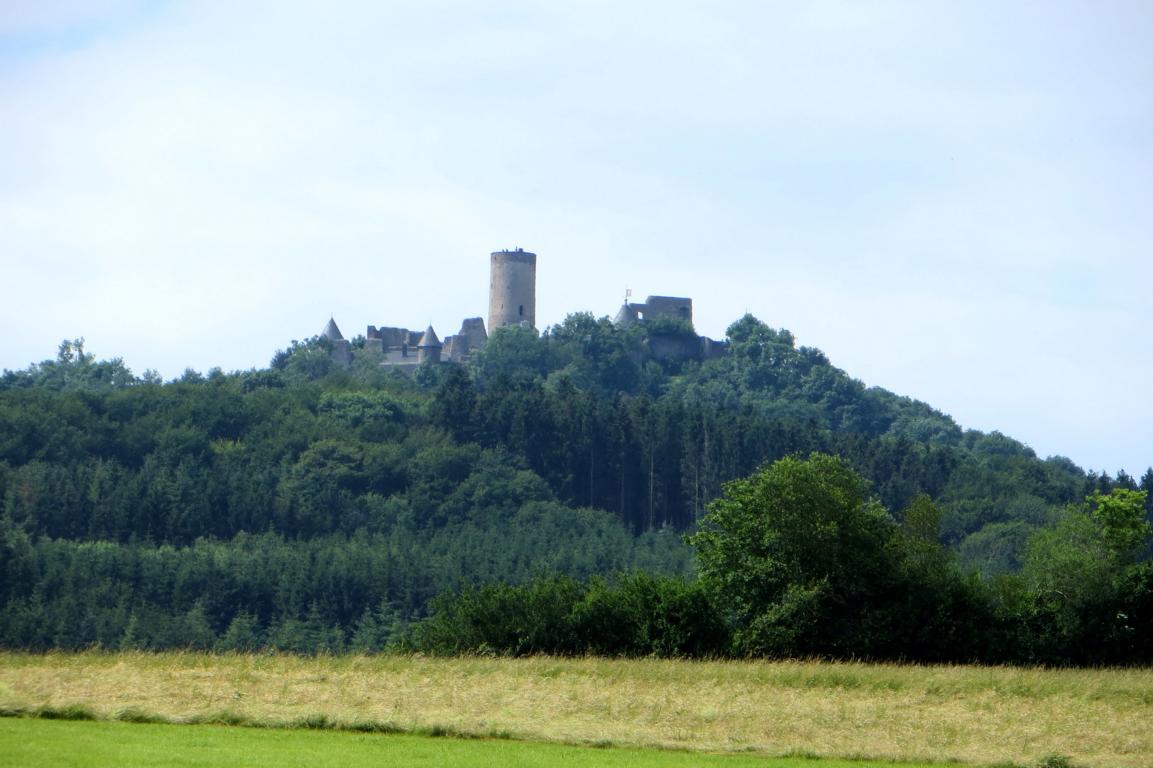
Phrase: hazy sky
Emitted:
{"points": [[951, 199]]}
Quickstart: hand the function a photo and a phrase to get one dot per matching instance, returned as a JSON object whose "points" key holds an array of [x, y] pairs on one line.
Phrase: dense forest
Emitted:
{"points": [[308, 506]]}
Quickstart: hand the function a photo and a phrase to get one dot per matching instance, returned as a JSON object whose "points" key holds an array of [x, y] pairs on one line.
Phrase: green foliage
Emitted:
{"points": [[996, 549], [1070, 562], [584, 406], [776, 547], [242, 636], [803, 561], [637, 614], [1120, 515], [669, 326], [305, 595], [580, 451], [361, 409], [1079, 597], [499, 618], [377, 628], [515, 355], [595, 355], [303, 361], [73, 369]]}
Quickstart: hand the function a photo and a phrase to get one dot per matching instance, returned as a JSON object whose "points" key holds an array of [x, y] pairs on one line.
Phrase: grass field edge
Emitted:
{"points": [[320, 722]]}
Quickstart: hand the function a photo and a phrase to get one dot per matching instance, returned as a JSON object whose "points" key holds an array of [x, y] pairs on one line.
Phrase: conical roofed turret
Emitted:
{"points": [[331, 332], [428, 348], [429, 339]]}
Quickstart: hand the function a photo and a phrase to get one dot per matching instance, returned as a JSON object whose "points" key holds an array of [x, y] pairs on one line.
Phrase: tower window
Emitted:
{"points": [[520, 310]]}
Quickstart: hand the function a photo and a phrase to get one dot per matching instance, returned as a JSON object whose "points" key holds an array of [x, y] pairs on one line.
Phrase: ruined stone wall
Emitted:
{"points": [[341, 352], [711, 349], [471, 337], [677, 307], [473, 329], [392, 337], [666, 346]]}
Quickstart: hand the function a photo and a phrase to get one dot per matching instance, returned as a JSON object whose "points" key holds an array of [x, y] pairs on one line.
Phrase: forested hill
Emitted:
{"points": [[311, 501]]}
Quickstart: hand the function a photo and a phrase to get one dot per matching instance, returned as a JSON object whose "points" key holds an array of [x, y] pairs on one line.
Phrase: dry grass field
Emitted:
{"points": [[975, 715]]}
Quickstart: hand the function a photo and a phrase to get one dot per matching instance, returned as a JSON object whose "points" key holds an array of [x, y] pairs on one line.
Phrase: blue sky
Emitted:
{"points": [[951, 199]]}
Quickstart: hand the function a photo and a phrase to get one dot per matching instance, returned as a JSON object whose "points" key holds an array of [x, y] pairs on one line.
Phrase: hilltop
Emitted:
{"points": [[312, 504]]}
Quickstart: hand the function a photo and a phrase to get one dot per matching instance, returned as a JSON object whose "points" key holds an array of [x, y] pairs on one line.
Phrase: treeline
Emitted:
{"points": [[305, 448], [585, 450], [608, 425], [799, 560], [328, 593]]}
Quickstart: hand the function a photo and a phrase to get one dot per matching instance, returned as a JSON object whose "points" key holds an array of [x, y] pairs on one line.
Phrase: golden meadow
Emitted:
{"points": [[976, 715]]}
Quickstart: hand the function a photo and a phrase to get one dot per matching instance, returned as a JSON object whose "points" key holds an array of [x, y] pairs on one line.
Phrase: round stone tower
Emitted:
{"points": [[512, 289], [428, 348]]}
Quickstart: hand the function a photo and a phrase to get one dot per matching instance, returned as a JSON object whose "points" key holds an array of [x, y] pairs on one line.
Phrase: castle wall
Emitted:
{"points": [[400, 356], [473, 329], [670, 346], [341, 352], [629, 314], [711, 349], [392, 337], [665, 346], [677, 307], [512, 289], [453, 350], [471, 337]]}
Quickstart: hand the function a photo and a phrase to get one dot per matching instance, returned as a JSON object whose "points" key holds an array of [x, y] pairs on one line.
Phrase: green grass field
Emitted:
{"points": [[30, 743], [971, 715]]}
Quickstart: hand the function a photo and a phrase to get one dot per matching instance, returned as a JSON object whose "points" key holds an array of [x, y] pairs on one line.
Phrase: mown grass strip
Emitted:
{"points": [[318, 722], [38, 743]]}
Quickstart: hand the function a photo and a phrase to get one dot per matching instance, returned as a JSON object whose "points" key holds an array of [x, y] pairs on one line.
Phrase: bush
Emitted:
{"points": [[634, 615]]}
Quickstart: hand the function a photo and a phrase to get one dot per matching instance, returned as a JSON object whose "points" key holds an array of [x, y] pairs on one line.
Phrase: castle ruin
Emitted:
{"points": [[672, 307], [512, 301]]}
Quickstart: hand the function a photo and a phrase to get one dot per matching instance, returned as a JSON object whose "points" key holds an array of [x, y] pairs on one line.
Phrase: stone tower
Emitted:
{"points": [[340, 348], [428, 348], [512, 289]]}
